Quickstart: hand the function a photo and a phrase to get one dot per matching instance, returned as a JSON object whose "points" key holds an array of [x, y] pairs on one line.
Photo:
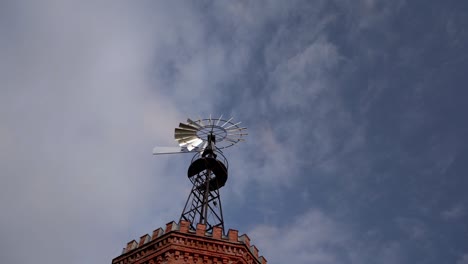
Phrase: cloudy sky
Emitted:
{"points": [[357, 149]]}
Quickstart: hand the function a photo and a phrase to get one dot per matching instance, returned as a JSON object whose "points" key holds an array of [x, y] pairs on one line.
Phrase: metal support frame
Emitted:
{"points": [[203, 204]]}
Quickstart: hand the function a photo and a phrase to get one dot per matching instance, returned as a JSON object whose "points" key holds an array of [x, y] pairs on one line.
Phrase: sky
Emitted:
{"points": [[357, 150]]}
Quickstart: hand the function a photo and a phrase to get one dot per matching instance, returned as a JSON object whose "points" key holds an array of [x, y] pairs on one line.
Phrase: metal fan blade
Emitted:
{"points": [[183, 136], [180, 131], [180, 138], [190, 121], [184, 130], [186, 140], [194, 144], [187, 127], [197, 143]]}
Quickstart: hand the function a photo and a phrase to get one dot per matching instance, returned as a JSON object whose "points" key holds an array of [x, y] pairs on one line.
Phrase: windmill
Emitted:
{"points": [[208, 170]]}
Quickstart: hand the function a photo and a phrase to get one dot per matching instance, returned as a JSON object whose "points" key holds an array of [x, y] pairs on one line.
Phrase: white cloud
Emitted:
{"points": [[303, 77], [80, 116], [463, 259], [316, 237], [310, 238], [412, 228], [455, 212]]}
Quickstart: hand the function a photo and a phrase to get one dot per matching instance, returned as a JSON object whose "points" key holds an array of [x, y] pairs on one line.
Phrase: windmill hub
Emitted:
{"points": [[219, 132]]}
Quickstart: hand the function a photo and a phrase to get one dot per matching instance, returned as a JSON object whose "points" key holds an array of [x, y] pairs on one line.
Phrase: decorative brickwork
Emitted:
{"points": [[178, 244]]}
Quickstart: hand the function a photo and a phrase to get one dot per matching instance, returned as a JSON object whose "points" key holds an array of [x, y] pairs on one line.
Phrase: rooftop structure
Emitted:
{"points": [[199, 237]]}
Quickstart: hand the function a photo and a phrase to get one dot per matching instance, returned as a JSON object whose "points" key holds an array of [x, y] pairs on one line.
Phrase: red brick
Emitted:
{"points": [[233, 235], [179, 246], [201, 229], [217, 232]]}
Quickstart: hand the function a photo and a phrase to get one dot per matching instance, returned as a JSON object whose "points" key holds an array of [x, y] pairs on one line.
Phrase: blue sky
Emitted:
{"points": [[357, 147]]}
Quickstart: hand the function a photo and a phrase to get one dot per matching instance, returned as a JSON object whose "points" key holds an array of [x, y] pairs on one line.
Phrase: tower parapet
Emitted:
{"points": [[178, 243]]}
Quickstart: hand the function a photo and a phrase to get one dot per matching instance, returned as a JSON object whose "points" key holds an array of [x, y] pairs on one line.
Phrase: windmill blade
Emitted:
{"points": [[188, 142], [182, 131], [182, 138], [197, 143], [194, 144], [190, 121], [184, 143], [188, 127], [178, 137]]}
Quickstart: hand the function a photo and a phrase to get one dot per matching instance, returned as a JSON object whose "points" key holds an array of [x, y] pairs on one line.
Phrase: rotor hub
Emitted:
{"points": [[219, 132]]}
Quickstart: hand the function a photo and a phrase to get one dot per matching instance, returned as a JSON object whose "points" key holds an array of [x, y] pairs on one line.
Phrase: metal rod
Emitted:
{"points": [[227, 121], [207, 181], [219, 119], [232, 125], [205, 197], [220, 210]]}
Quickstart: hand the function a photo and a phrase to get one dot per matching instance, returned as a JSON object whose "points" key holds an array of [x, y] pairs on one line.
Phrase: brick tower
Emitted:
{"points": [[199, 237]]}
